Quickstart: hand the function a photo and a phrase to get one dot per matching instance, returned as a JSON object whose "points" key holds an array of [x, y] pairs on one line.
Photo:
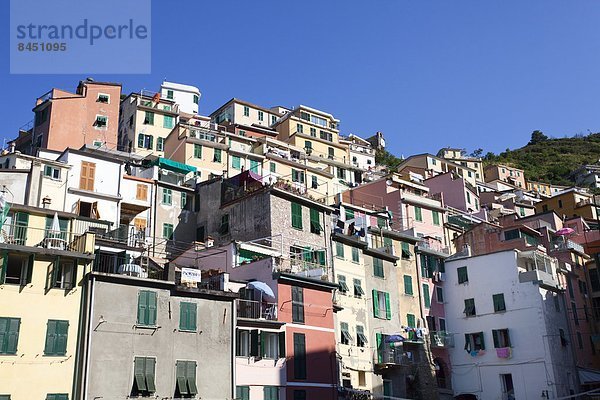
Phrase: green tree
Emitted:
{"points": [[537, 137]]}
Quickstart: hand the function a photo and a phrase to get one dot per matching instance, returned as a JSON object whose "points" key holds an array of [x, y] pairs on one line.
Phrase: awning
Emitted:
{"points": [[588, 376], [132, 209], [174, 165]]}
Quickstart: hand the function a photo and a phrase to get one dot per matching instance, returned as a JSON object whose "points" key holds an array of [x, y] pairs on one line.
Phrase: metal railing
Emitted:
{"points": [[22, 235], [395, 356], [125, 234], [256, 310], [568, 245], [123, 264]]}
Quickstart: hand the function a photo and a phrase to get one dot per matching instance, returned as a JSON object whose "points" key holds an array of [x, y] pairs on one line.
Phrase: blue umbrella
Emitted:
{"points": [[262, 287], [394, 338]]}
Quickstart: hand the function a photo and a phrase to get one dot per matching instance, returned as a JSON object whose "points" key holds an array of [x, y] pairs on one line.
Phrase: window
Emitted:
{"points": [[224, 228], [426, 296], [167, 232], [272, 167], [463, 276], [246, 111], [355, 255], [52, 396], [339, 249], [345, 338], [185, 372], [103, 98], [187, 316], [381, 305], [298, 176], [299, 356], [145, 141], [52, 172], [439, 293], [271, 393], [236, 162], [315, 221], [560, 204], [168, 122], [405, 250], [217, 155], [469, 307], [330, 153], [436, 217], [361, 338], [87, 176], [167, 196], [273, 119], [378, 267], [297, 304], [183, 201], [160, 144], [169, 94], [408, 289], [101, 121], [341, 173], [418, 214], [358, 290], [261, 116], [474, 342], [254, 166], [149, 118], [141, 192], [442, 324], [501, 338], [62, 274], [9, 335], [146, 314], [16, 268], [499, 304], [508, 389], [563, 338], [342, 283], [242, 392], [308, 146], [197, 151], [299, 128], [326, 136], [296, 216], [299, 394], [313, 132], [411, 320], [271, 343], [144, 382], [349, 214], [56, 338], [512, 234], [243, 343], [196, 99], [575, 316]]}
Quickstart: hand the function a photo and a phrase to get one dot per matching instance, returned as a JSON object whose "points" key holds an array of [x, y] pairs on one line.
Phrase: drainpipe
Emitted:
{"points": [[154, 227], [119, 201], [66, 189], [418, 258], [90, 313]]}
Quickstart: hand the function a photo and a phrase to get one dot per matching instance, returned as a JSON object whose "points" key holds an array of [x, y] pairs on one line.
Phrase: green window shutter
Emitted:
{"points": [[297, 304], [271, 393], [379, 340], [140, 142], [62, 331], [426, 296], [254, 343], [381, 222], [375, 303], [315, 221], [436, 218], [358, 290], [355, 255], [499, 304], [9, 335], [21, 222], [139, 371], [197, 151], [349, 214], [321, 257], [180, 371], [342, 283], [495, 337], [482, 341], [410, 320], [388, 308], [378, 267], [191, 377], [408, 285], [339, 249], [462, 274], [142, 313], [187, 317], [167, 121], [30, 263], [281, 344], [149, 118], [299, 356], [217, 155], [51, 334], [160, 144], [272, 167], [150, 374], [254, 166], [296, 216], [152, 308], [418, 214], [235, 162]]}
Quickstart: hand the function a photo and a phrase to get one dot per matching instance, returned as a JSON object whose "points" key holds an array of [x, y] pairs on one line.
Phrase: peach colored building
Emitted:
{"points": [[90, 116], [505, 173]]}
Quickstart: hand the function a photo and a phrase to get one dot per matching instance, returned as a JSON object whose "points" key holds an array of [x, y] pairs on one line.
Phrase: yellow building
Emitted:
{"points": [[458, 156], [40, 298], [571, 202]]}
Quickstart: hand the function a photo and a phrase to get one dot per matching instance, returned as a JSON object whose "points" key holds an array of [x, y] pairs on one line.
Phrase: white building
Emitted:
{"points": [[186, 96], [511, 333]]}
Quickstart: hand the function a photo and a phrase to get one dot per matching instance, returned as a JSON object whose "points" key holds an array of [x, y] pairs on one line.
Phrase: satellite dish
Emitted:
{"points": [[389, 182]]}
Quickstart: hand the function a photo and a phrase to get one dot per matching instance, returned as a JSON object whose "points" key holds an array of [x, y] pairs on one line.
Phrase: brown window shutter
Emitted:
{"points": [[83, 176], [91, 176], [142, 192]]}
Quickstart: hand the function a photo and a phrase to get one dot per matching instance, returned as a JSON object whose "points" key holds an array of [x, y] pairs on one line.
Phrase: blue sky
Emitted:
{"points": [[427, 74]]}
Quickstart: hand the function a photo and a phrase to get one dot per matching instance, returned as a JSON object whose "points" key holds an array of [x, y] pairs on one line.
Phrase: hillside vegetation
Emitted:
{"points": [[551, 160]]}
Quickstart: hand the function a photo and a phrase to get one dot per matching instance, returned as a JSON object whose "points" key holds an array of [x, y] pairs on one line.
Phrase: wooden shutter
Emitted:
{"points": [[296, 216], [3, 267], [426, 296], [87, 176], [142, 317], [378, 340], [191, 377], [408, 284], [141, 192], [299, 356], [254, 340], [375, 303], [388, 308], [13, 325], [50, 348], [152, 308], [496, 339], [62, 330], [281, 344]]}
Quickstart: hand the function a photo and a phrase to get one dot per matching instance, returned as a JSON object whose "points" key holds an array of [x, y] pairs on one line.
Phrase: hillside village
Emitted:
{"points": [[261, 252]]}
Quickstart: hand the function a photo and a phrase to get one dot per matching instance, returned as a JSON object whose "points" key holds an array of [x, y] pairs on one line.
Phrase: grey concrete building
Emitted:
{"points": [[145, 337]]}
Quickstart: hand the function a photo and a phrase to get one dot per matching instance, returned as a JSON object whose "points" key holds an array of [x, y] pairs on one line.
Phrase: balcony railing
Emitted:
{"points": [[21, 235], [568, 245], [441, 339], [124, 264], [256, 310], [125, 234], [424, 244], [395, 356]]}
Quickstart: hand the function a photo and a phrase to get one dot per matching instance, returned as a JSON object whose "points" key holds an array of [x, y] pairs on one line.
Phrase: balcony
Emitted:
{"points": [[20, 235], [433, 246], [256, 310], [539, 268], [124, 235], [441, 339], [568, 245], [387, 357], [125, 264]]}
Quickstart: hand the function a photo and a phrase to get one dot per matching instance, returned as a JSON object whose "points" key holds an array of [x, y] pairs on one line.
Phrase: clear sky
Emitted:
{"points": [[428, 74]]}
